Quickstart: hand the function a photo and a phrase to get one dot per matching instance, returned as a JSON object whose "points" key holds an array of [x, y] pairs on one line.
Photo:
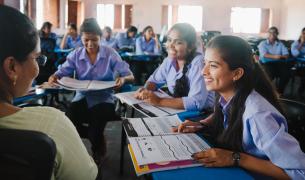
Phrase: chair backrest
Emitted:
{"points": [[26, 155], [295, 114]]}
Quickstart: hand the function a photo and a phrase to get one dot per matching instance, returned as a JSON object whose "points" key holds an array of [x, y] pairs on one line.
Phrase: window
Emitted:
{"points": [[21, 5], [114, 16], [39, 13], [246, 20], [172, 14], [192, 15], [105, 15], [47, 10]]}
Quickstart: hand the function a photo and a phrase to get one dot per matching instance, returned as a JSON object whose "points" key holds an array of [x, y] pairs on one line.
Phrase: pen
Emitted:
{"points": [[198, 126]]}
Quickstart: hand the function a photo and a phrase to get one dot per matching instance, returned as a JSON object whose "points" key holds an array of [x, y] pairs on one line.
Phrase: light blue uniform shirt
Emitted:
{"points": [[265, 47], [265, 135], [198, 96], [149, 47], [107, 65], [73, 43], [294, 49], [111, 42], [124, 41]]}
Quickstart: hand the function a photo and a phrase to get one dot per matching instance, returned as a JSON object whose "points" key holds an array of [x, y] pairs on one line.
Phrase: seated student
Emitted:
{"points": [[273, 54], [247, 125], [148, 42], [127, 39], [298, 46], [94, 62], [298, 50], [180, 71], [107, 39], [46, 33], [71, 39], [17, 71]]}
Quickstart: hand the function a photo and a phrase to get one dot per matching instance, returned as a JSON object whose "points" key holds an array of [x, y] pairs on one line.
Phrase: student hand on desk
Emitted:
{"points": [[53, 79], [141, 93], [151, 98], [214, 157], [188, 127], [119, 82]]}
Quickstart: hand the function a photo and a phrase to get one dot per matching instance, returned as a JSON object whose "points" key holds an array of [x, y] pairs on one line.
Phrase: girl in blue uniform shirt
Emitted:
{"points": [[180, 71], [71, 39], [298, 51], [273, 57], [107, 39], [247, 124], [46, 35], [148, 42], [93, 62], [298, 46]]}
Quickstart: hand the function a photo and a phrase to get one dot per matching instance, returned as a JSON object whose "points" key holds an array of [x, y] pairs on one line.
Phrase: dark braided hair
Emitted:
{"points": [[188, 34]]}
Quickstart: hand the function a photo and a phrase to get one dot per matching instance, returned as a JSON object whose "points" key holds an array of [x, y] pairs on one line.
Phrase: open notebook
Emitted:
{"points": [[84, 85], [154, 147], [145, 108]]}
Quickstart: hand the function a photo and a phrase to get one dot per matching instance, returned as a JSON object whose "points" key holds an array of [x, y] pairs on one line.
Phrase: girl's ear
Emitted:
{"points": [[10, 67], [238, 73]]}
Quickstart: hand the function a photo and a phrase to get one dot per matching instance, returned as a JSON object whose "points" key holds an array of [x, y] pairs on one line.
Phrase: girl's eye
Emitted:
{"points": [[213, 65]]}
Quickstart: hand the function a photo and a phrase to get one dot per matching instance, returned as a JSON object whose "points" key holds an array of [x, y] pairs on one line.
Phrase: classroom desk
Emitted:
{"points": [[61, 55], [195, 173], [301, 59], [269, 60], [141, 65], [32, 95], [139, 57]]}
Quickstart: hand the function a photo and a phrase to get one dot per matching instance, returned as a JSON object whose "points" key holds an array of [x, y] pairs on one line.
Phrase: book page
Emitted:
{"points": [[156, 111], [73, 84], [156, 149], [135, 127], [128, 98], [162, 125], [98, 85]]}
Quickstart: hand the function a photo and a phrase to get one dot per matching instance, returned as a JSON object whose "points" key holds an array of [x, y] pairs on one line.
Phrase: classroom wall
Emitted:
{"points": [[293, 18], [216, 13], [13, 3], [287, 15]]}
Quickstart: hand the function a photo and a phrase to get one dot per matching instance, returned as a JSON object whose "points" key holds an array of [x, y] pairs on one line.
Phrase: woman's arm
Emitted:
{"points": [[215, 157], [261, 166], [64, 41]]}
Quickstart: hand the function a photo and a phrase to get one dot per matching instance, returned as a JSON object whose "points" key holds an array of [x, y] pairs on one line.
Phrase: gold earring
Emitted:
{"points": [[15, 80]]}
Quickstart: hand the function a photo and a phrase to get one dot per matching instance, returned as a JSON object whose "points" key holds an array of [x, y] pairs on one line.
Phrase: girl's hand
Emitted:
{"points": [[188, 127], [214, 157]]}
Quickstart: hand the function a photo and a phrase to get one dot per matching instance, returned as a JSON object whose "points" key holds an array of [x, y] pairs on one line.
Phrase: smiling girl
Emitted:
{"points": [[247, 124], [180, 71]]}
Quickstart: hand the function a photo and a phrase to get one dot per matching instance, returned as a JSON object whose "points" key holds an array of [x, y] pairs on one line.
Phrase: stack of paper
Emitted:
{"points": [[154, 147], [84, 85]]}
